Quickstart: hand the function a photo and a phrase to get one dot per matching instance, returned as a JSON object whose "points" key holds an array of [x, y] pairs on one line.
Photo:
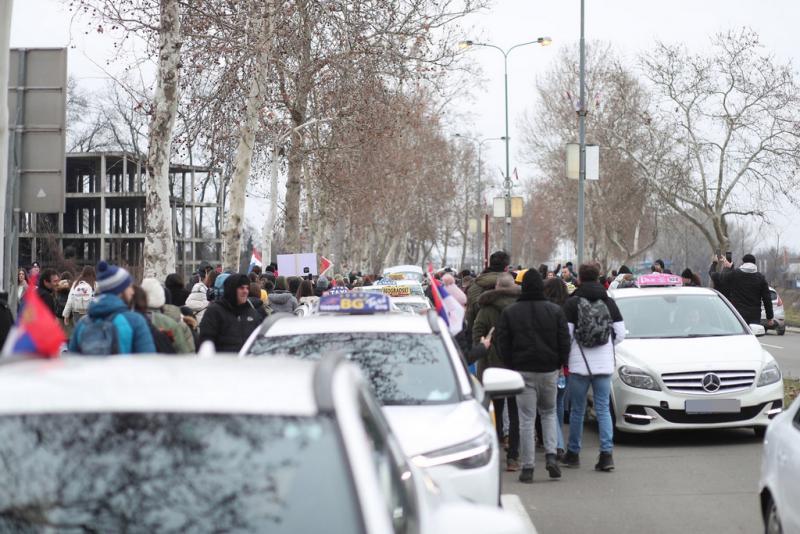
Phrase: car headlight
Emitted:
{"points": [[636, 378], [769, 375], [468, 455]]}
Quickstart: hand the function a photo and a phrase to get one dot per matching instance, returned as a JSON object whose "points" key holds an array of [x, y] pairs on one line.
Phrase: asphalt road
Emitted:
{"points": [[785, 349], [687, 482]]}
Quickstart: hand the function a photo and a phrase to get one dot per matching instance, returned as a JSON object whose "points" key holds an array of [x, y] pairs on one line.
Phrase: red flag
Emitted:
{"points": [[38, 331], [325, 264]]}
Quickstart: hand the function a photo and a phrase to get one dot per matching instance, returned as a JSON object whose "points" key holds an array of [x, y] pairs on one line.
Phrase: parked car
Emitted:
{"points": [[690, 361], [437, 409], [779, 316], [780, 473], [185, 444]]}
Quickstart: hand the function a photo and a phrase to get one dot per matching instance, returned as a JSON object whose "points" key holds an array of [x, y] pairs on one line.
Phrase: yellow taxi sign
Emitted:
{"points": [[397, 291], [396, 276]]}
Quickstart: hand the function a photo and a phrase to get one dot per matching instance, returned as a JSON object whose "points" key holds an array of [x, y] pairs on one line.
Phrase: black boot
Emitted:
{"points": [[571, 459], [552, 466], [526, 476], [605, 462]]}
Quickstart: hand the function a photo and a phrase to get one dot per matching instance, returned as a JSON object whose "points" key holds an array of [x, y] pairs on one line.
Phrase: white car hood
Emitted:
{"points": [[423, 429], [693, 354]]}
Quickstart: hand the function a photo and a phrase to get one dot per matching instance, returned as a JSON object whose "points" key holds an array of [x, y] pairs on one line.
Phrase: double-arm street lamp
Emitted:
{"points": [[543, 41], [479, 204]]}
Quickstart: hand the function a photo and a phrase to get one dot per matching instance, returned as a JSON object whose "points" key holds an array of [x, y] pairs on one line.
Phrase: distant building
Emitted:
{"points": [[105, 215]]}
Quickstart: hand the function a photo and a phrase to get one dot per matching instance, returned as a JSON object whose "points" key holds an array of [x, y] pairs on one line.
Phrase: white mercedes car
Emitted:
{"points": [[438, 411], [689, 361], [780, 473], [185, 444]]}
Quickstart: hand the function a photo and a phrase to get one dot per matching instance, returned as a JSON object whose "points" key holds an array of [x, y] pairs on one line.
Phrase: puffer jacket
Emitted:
{"points": [[492, 303], [226, 323], [133, 333], [486, 281], [282, 301], [197, 301]]}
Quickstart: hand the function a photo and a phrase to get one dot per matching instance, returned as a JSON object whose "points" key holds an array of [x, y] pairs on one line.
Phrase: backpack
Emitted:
{"points": [[594, 323], [161, 340], [98, 337], [82, 297]]}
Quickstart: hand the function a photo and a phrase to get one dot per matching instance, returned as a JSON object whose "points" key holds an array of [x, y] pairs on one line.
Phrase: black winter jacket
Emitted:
{"points": [[533, 336], [227, 324], [747, 289]]}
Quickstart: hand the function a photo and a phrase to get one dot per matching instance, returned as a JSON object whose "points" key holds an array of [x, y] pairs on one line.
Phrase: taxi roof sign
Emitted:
{"points": [[659, 280], [337, 290], [355, 303]]}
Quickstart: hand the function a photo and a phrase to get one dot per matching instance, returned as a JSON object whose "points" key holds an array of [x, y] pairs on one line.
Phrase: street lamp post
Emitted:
{"points": [[544, 41], [480, 143], [582, 142]]}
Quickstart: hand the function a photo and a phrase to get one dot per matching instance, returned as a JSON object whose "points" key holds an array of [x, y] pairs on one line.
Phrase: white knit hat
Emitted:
{"points": [[156, 298]]}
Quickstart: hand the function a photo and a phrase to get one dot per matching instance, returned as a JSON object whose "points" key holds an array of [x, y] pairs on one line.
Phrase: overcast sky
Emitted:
{"points": [[630, 25]]}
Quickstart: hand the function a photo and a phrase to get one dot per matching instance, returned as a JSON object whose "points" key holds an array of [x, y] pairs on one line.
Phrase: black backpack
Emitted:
{"points": [[98, 337], [161, 340]]}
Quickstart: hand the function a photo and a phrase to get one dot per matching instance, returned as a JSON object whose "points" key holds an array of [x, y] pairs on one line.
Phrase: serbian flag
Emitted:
{"points": [[446, 305], [37, 330], [324, 265], [255, 260]]}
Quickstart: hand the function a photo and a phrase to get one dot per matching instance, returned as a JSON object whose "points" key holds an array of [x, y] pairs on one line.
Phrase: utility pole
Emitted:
{"points": [[582, 142], [7, 262]]}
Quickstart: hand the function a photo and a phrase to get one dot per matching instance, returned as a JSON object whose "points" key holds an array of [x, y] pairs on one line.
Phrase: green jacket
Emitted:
{"points": [[491, 305], [485, 282], [174, 313], [168, 324]]}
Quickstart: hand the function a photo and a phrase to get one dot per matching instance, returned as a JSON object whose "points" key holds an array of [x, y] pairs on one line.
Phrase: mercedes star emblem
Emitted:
{"points": [[711, 383]]}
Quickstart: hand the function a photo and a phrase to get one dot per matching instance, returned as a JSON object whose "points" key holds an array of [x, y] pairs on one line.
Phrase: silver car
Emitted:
{"points": [[777, 310]]}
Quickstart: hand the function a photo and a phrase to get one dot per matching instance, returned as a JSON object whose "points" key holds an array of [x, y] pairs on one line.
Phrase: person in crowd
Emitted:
{"points": [[555, 290], [690, 278], [662, 266], [596, 326], [62, 292], [656, 268], [228, 322], [566, 275], [162, 337], [254, 297], [175, 285], [294, 284], [171, 324], [306, 289], [197, 300], [746, 288], [486, 281], [35, 268], [533, 339], [131, 333], [190, 319], [623, 270], [48, 282], [449, 282], [571, 270], [491, 305], [6, 317], [80, 296], [280, 299], [22, 283], [322, 286]]}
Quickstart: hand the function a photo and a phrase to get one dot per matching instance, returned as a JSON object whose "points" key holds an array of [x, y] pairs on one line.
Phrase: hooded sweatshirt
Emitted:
{"points": [[532, 334], [601, 358], [133, 333], [492, 303], [227, 323]]}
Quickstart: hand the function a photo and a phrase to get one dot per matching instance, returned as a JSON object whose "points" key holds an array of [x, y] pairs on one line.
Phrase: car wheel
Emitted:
{"points": [[781, 330], [772, 521], [760, 431]]}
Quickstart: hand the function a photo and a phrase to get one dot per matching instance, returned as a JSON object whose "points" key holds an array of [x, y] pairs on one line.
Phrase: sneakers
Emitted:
{"points": [[526, 477], [559, 454], [571, 459], [605, 462], [512, 464], [552, 466]]}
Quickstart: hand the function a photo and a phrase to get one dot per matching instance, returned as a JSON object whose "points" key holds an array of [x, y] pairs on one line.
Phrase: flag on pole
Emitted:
{"points": [[37, 330], [325, 264], [446, 305], [516, 175], [255, 260]]}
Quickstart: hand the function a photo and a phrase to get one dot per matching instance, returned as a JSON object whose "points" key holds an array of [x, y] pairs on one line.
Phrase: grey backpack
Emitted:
{"points": [[594, 323]]}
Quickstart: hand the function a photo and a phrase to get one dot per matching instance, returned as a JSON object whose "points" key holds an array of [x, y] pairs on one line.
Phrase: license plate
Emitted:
{"points": [[713, 406]]}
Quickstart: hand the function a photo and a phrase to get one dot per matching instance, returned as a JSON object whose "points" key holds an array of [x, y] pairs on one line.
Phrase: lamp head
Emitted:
{"points": [[544, 41], [463, 45]]}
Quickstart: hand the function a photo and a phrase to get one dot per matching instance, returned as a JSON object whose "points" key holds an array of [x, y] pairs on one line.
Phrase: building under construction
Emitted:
{"points": [[105, 215]]}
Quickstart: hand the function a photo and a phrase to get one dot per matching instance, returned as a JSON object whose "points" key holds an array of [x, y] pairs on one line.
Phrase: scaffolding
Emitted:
{"points": [[105, 215]]}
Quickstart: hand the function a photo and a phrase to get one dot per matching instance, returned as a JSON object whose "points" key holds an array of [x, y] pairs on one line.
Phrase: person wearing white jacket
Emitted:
{"points": [[80, 296], [592, 365]]}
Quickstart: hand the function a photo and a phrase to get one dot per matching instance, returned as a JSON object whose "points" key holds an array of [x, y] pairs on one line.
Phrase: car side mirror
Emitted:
{"points": [[500, 383], [758, 330]]}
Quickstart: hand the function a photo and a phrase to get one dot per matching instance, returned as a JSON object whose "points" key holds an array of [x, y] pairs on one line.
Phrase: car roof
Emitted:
{"points": [[333, 323], [631, 292], [145, 383], [400, 268]]}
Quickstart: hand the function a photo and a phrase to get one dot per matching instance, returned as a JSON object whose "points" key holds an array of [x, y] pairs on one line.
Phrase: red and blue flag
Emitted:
{"points": [[37, 330]]}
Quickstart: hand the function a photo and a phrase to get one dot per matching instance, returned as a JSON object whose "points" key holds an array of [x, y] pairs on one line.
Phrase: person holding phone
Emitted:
{"points": [[746, 288]]}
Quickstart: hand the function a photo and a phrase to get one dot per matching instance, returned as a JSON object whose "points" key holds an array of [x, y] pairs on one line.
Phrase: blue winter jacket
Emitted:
{"points": [[133, 332]]}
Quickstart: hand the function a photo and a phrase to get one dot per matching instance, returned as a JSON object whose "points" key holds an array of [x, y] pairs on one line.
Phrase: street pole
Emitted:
{"points": [[7, 260], [582, 142], [507, 182]]}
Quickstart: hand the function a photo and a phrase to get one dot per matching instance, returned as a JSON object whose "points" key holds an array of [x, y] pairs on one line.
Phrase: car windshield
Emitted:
{"points": [[403, 368], [677, 316], [173, 472]]}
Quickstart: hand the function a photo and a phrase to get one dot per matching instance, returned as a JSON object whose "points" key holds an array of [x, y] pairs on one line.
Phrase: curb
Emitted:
{"points": [[513, 503], [793, 329]]}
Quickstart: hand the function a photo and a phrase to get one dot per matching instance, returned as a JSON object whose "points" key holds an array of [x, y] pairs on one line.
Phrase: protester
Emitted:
{"points": [[746, 288], [533, 339], [623, 270], [491, 305], [449, 282], [179, 334], [254, 298], [555, 290], [6, 317], [486, 281], [690, 279], [22, 283], [80, 296], [48, 281], [35, 268], [229, 321], [322, 286], [305, 289], [110, 327], [596, 325], [662, 267], [280, 299], [175, 286]]}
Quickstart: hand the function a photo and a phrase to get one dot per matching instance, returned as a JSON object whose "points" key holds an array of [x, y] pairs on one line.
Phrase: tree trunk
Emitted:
{"points": [[232, 235], [159, 243], [9, 264]]}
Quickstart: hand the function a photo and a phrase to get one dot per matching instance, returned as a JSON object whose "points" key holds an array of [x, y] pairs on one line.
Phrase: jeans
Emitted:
{"points": [[513, 424], [578, 390], [560, 397], [539, 394]]}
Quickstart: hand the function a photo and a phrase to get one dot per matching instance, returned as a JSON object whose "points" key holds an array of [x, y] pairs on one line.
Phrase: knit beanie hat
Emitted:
{"points": [[112, 279], [155, 293], [322, 283]]}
